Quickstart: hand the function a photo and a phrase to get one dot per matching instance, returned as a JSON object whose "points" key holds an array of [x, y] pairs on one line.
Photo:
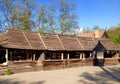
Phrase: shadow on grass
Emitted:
{"points": [[106, 76]]}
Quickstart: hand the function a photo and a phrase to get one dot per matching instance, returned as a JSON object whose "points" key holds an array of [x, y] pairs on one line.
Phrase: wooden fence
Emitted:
{"points": [[26, 66]]}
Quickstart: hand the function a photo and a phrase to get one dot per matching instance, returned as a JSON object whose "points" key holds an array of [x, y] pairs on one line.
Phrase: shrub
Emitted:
{"points": [[8, 72]]}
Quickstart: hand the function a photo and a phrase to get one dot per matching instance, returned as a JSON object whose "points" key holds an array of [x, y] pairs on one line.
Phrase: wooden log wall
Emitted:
{"points": [[27, 66], [21, 66], [111, 61]]}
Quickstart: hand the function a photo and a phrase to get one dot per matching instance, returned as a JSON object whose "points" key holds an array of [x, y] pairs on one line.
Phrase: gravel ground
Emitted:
{"points": [[79, 75]]}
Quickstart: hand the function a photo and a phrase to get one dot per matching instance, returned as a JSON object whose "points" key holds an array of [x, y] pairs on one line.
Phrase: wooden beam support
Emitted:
{"points": [[80, 55], [6, 56], [68, 56], [33, 57], [62, 56], [83, 56]]}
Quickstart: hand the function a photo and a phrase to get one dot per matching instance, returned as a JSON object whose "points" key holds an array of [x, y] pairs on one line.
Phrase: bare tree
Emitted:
{"points": [[26, 21], [8, 12], [51, 18], [67, 17], [41, 21], [54, 19], [17, 15]]}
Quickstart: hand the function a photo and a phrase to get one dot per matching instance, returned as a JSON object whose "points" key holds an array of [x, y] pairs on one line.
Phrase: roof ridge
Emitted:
{"points": [[21, 30]]}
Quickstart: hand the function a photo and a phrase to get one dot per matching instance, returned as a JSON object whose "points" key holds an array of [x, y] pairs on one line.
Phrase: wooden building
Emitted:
{"points": [[96, 34], [20, 45]]}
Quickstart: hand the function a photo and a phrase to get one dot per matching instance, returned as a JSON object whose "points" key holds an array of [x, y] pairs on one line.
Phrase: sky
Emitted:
{"points": [[102, 13]]}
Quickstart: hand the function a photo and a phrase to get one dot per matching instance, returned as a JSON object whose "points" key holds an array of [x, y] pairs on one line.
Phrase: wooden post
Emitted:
{"points": [[90, 54], [94, 53], [83, 56], [62, 57], [80, 55], [63, 63], [6, 56], [68, 57], [33, 57]]}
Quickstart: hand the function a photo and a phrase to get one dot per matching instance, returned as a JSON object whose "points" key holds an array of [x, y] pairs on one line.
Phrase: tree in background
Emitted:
{"points": [[41, 19], [26, 21], [21, 14], [2, 27], [96, 27], [86, 30], [51, 19], [114, 34], [67, 17], [7, 8], [17, 15]]}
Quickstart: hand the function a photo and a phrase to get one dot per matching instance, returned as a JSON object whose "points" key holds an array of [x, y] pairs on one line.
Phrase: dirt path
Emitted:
{"points": [[79, 75]]}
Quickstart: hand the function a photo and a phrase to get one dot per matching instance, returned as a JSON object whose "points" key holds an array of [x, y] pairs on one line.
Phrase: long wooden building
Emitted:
{"points": [[20, 45]]}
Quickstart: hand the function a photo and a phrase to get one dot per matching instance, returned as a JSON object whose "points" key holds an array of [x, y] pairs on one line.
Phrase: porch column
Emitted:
{"points": [[62, 57], [90, 54], [6, 56], [80, 55], [68, 56], [83, 56], [33, 57], [94, 53]]}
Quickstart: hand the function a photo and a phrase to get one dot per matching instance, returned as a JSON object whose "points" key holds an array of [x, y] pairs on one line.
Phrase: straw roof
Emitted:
{"points": [[70, 42], [20, 39]]}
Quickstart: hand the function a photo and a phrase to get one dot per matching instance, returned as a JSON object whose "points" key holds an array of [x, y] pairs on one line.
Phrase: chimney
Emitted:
{"points": [[97, 33]]}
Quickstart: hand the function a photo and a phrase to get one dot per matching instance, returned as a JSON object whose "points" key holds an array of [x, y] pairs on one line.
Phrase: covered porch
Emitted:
{"points": [[46, 56]]}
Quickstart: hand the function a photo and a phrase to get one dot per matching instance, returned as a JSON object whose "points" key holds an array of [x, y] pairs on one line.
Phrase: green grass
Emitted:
{"points": [[8, 72]]}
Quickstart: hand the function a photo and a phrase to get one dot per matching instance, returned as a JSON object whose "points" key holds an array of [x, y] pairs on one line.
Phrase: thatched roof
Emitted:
{"points": [[20, 39], [52, 42]]}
